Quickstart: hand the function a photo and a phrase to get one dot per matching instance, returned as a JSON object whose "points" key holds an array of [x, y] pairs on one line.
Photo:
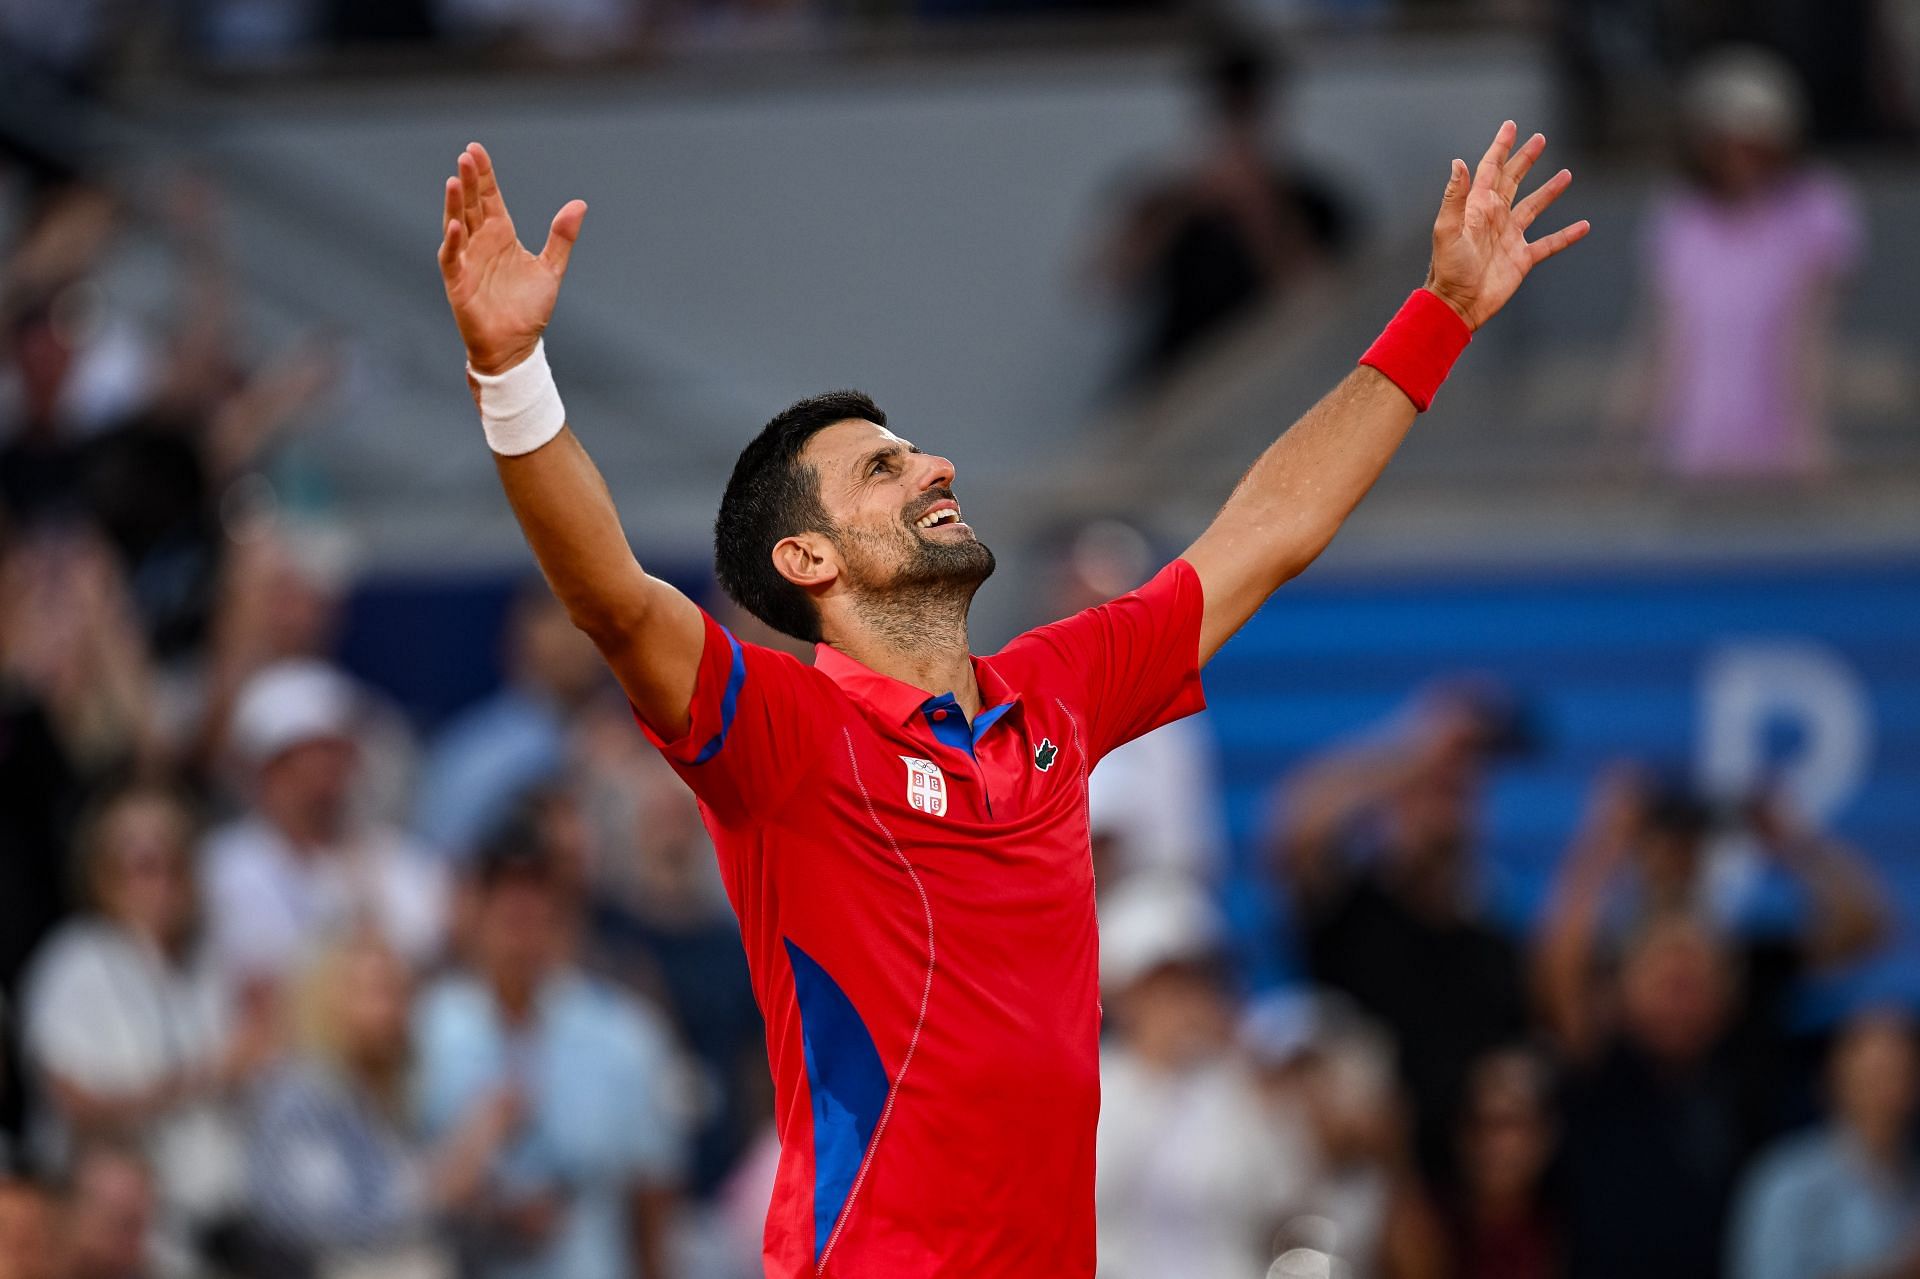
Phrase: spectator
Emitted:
{"points": [[493, 753], [661, 922], [1676, 1035], [28, 1241], [280, 600], [585, 1191], [1377, 850], [1661, 1112], [1503, 1223], [1361, 1210], [1192, 1180], [1843, 1199], [41, 457], [128, 1030], [673, 932], [336, 1177], [67, 630], [1641, 857], [1240, 225], [1154, 804], [300, 865], [107, 1217], [1745, 269]]}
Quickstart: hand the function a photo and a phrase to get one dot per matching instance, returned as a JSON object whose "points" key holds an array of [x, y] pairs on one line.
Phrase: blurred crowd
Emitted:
{"points": [[291, 986], [291, 992], [288, 989], [1726, 372], [1861, 58], [1625, 1085], [85, 39]]}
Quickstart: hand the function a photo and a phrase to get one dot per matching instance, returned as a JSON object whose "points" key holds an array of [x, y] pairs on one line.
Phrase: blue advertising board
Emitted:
{"points": [[1805, 675]]}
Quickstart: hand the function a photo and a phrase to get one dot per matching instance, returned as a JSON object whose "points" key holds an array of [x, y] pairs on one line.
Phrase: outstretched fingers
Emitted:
{"points": [[1529, 210], [455, 207], [1548, 245], [490, 197], [561, 236], [470, 209], [1487, 175], [1515, 169], [1453, 201], [453, 231]]}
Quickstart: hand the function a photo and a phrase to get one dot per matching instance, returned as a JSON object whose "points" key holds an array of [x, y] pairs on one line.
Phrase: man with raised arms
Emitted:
{"points": [[902, 826]]}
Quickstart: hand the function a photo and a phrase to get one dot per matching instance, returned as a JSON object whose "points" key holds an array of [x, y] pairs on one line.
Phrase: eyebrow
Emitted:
{"points": [[891, 450]]}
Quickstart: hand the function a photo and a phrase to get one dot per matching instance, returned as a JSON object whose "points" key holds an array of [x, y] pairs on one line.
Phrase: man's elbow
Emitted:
{"points": [[611, 620]]}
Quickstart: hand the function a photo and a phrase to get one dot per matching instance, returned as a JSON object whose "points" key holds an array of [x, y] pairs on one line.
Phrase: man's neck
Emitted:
{"points": [[929, 652]]}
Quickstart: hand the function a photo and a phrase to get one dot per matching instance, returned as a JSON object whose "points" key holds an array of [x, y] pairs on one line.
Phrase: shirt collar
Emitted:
{"points": [[898, 702]]}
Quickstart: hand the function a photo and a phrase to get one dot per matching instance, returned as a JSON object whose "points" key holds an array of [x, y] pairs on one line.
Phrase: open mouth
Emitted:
{"points": [[945, 513]]}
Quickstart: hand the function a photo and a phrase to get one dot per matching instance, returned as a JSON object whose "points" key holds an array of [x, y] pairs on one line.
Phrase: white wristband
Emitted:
{"points": [[520, 409]]}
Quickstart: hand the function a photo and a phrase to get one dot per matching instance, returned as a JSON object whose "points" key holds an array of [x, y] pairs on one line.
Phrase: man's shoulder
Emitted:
{"points": [[609, 1024], [80, 953], [85, 938], [1798, 1161], [768, 662]]}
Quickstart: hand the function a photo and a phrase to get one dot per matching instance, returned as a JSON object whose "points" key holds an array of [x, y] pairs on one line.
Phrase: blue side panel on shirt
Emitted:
{"points": [[848, 1085]]}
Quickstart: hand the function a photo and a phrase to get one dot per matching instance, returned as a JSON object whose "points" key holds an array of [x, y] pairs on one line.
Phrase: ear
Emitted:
{"points": [[808, 560]]}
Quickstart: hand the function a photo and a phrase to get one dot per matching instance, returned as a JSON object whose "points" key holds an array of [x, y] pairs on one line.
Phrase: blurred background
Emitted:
{"points": [[1537, 898]]}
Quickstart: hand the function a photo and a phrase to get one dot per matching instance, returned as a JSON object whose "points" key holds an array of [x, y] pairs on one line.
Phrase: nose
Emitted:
{"points": [[938, 474]]}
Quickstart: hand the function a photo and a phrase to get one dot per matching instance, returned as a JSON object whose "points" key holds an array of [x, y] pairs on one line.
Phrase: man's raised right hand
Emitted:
{"points": [[502, 296]]}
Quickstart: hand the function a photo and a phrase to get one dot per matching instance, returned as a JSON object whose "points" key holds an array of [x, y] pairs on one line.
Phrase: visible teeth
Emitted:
{"points": [[945, 515]]}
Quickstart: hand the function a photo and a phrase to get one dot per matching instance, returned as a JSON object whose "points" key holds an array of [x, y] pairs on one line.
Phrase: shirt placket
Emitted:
{"points": [[947, 724], [949, 727]]}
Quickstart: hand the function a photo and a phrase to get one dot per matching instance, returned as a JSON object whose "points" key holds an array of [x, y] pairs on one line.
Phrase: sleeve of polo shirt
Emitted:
{"points": [[744, 749], [1132, 663]]}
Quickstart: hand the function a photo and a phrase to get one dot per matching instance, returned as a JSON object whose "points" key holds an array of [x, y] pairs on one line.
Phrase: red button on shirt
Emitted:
{"points": [[925, 952]]}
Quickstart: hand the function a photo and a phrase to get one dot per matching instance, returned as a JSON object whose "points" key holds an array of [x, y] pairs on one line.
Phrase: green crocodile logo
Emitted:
{"points": [[1043, 754]]}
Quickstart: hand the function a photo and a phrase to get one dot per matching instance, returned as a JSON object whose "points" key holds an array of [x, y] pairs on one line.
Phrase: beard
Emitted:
{"points": [[905, 559], [912, 587]]}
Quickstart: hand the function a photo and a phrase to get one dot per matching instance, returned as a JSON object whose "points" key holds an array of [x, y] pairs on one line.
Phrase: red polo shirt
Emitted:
{"points": [[915, 896]]}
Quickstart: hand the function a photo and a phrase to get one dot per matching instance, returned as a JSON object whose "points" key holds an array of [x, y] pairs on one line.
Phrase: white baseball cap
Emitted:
{"points": [[1152, 920], [1746, 92], [289, 703]]}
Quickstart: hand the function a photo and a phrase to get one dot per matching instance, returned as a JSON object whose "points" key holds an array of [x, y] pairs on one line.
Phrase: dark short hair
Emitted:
{"points": [[515, 850], [1674, 806], [772, 495], [1240, 75]]}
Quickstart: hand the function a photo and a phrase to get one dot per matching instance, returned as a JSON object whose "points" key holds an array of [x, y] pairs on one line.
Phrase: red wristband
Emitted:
{"points": [[1417, 350]]}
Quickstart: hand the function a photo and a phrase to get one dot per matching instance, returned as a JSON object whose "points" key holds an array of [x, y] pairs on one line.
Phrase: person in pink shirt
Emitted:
{"points": [[1746, 261]]}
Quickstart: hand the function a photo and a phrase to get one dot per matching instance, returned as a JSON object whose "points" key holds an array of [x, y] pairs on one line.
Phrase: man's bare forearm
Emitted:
{"points": [[502, 297], [1305, 485], [570, 522], [1289, 505], [650, 634]]}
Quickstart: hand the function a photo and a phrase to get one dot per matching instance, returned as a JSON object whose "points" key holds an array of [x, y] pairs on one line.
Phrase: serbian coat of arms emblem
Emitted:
{"points": [[926, 786]]}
